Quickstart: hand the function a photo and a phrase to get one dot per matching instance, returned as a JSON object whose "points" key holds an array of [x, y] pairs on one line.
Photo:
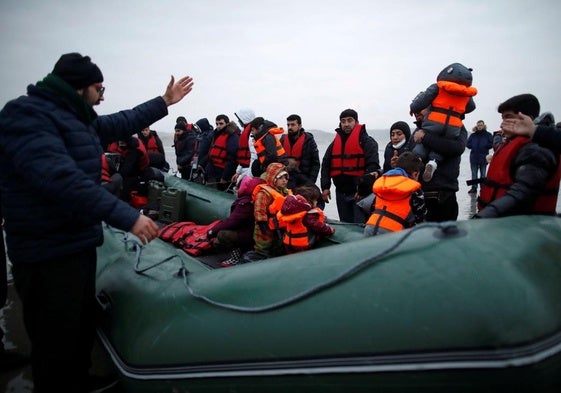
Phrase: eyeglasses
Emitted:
{"points": [[101, 90]]}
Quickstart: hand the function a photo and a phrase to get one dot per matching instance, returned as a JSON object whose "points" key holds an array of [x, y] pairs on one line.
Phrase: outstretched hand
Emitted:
{"points": [[175, 91]]}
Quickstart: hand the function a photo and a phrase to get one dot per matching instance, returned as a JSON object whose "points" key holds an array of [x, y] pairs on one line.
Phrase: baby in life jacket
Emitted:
{"points": [[399, 202], [304, 221], [447, 100]]}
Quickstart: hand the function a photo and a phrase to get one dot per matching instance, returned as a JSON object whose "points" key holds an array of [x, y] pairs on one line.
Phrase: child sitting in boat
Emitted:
{"points": [[236, 231], [447, 100], [268, 199], [304, 221], [399, 201]]}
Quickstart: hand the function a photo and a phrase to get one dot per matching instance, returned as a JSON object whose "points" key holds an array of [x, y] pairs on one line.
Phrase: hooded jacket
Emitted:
{"points": [[50, 170], [268, 198], [241, 218], [303, 224]]}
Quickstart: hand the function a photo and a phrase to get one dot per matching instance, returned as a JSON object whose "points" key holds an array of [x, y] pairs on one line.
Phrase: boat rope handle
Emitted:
{"points": [[449, 229], [138, 247]]}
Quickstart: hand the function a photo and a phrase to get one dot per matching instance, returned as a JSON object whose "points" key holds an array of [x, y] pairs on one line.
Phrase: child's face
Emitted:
{"points": [[396, 136], [282, 181]]}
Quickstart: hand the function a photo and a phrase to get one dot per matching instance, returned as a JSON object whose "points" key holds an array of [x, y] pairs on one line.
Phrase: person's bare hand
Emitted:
{"points": [[175, 91], [393, 160], [521, 125], [418, 136], [326, 195], [145, 229]]}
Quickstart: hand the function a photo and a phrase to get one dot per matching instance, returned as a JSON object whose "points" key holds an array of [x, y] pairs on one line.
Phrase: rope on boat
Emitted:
{"points": [[449, 229], [138, 247]]}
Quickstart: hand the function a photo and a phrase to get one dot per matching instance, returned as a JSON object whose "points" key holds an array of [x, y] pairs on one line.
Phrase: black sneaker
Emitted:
{"points": [[234, 259]]}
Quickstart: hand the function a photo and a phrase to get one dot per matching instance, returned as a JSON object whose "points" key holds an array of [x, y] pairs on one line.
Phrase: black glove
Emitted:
{"points": [[263, 226]]}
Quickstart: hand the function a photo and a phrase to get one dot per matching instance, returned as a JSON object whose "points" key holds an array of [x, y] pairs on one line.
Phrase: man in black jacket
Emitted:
{"points": [[302, 153], [351, 155], [50, 173]]}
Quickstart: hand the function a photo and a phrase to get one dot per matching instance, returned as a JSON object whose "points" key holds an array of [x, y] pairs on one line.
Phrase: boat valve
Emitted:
{"points": [[448, 231]]}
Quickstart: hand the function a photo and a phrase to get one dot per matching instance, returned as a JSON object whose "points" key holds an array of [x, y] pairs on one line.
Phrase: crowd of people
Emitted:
{"points": [[54, 186]]}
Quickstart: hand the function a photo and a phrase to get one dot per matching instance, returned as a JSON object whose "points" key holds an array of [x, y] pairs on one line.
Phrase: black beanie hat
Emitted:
{"points": [[403, 126], [77, 70], [349, 113], [180, 126], [528, 104]]}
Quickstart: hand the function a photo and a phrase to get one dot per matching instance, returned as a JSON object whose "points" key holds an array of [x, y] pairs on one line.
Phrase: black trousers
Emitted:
{"points": [[58, 298], [441, 206]]}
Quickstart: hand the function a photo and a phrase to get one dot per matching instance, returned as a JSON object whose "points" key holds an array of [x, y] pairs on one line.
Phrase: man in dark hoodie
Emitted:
{"points": [[351, 155], [53, 204]]}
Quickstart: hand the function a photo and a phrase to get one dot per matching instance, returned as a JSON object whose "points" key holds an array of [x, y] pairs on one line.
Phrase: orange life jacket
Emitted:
{"points": [[217, 152], [296, 234], [450, 103], [144, 160], [244, 155], [294, 151], [260, 147], [392, 207], [348, 159], [274, 207], [499, 179]]}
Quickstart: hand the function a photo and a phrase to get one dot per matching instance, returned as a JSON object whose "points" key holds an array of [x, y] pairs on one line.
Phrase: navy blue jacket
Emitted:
{"points": [[50, 174], [479, 142]]}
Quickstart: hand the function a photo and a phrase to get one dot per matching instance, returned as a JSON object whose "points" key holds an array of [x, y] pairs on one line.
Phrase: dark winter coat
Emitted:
{"points": [[204, 138], [50, 170], [389, 152], [345, 183], [479, 142], [549, 137], [308, 170], [445, 178], [229, 170], [184, 145], [241, 218], [531, 169]]}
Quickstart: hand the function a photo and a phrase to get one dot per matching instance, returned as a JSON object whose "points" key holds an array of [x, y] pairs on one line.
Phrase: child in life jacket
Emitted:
{"points": [[305, 222], [268, 199], [447, 100], [399, 201], [235, 232]]}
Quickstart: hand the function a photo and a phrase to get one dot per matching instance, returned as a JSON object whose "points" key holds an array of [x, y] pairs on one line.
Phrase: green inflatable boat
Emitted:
{"points": [[452, 307]]}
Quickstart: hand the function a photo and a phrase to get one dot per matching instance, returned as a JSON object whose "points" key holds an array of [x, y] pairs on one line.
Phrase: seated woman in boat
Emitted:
{"points": [[236, 231], [305, 222]]}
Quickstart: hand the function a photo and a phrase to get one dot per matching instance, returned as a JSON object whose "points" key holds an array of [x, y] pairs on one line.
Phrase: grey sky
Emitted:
{"points": [[314, 58]]}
